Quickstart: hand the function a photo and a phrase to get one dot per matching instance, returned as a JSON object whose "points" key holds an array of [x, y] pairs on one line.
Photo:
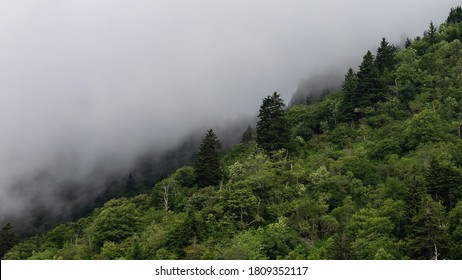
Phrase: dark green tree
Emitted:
{"points": [[248, 135], [272, 128], [208, 169], [385, 56], [429, 237], [350, 83], [432, 33], [7, 239], [349, 86], [408, 42], [455, 16], [444, 183], [369, 84]]}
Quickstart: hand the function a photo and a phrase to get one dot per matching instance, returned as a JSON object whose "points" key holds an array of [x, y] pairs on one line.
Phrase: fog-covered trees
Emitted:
{"points": [[375, 172]]}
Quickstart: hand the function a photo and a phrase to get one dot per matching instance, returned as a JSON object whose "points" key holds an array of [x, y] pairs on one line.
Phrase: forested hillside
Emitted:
{"points": [[373, 171]]}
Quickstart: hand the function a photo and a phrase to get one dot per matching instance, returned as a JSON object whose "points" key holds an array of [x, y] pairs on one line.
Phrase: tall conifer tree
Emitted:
{"points": [[350, 97], [369, 84], [385, 56], [272, 126], [208, 170]]}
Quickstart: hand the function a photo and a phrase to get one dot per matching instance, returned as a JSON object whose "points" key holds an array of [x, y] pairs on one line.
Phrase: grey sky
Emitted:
{"points": [[84, 81]]}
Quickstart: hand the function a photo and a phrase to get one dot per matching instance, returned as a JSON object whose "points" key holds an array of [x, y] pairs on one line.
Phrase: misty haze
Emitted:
{"points": [[89, 89]]}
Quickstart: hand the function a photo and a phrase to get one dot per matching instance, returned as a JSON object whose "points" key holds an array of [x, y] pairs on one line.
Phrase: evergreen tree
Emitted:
{"points": [[444, 183], [432, 33], [272, 127], [408, 42], [7, 239], [349, 86], [369, 85], [350, 83], [208, 170], [455, 16], [429, 237], [385, 56], [248, 135]]}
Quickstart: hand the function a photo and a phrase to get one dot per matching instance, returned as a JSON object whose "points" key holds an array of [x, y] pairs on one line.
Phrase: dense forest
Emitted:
{"points": [[371, 171]]}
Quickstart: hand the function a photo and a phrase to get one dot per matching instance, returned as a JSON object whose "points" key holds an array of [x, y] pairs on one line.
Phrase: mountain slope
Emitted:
{"points": [[371, 172]]}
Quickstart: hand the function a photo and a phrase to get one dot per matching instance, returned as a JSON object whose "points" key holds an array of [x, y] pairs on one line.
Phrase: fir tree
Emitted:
{"points": [[455, 16], [350, 83], [7, 239], [349, 86], [432, 33], [272, 126], [369, 84], [208, 170], [385, 56]]}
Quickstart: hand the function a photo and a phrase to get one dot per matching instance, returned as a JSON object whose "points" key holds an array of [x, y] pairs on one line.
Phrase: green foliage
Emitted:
{"points": [[117, 220]]}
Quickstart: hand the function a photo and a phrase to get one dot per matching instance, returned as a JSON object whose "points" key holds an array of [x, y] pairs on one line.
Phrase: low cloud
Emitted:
{"points": [[89, 86]]}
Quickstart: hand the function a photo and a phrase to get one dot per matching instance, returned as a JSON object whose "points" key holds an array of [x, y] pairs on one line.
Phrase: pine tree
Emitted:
{"points": [[7, 239], [208, 170], [272, 126], [385, 56]]}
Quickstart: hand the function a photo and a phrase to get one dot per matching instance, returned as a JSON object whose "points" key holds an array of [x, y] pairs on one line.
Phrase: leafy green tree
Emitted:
{"points": [[208, 170], [272, 128], [423, 128], [117, 220], [7, 239], [244, 203], [246, 245]]}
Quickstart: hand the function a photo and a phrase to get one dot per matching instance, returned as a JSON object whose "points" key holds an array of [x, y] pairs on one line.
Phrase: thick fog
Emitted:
{"points": [[87, 86]]}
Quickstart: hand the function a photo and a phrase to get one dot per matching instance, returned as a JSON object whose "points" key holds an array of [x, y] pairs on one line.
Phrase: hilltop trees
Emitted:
{"points": [[272, 126], [208, 170]]}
